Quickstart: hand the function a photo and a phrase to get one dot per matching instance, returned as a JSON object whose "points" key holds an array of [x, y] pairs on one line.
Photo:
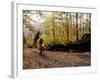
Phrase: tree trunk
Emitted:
{"points": [[67, 28], [53, 30], [77, 26], [90, 22]]}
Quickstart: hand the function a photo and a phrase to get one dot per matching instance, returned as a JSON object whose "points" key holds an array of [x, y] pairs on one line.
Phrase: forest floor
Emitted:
{"points": [[54, 59]]}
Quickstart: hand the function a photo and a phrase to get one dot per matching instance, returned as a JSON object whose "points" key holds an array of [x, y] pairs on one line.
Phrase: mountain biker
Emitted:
{"points": [[41, 45]]}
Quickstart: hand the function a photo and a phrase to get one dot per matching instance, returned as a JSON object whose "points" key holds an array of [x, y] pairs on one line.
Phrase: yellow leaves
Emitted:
{"points": [[29, 42], [48, 22], [47, 38]]}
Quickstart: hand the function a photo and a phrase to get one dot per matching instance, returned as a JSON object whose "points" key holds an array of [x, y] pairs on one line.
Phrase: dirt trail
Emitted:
{"points": [[32, 59]]}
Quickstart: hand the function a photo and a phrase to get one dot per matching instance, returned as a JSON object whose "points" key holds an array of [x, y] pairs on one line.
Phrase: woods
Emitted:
{"points": [[56, 28]]}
